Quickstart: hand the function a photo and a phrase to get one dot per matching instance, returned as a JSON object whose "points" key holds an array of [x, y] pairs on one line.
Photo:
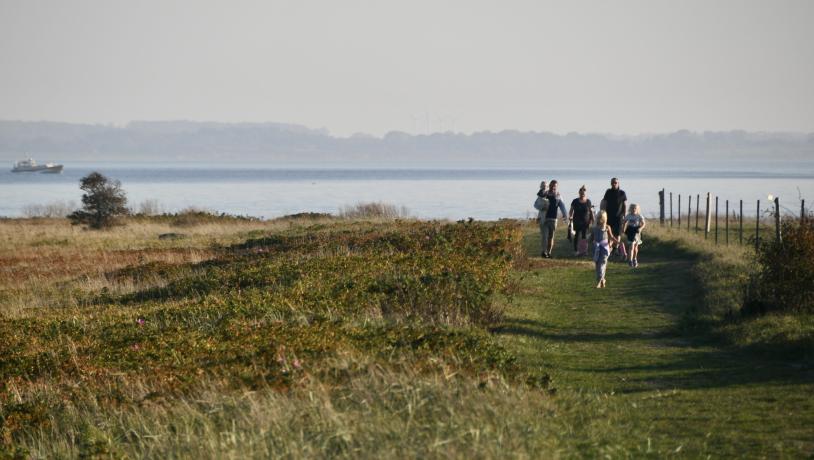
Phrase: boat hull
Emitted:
{"points": [[55, 169]]}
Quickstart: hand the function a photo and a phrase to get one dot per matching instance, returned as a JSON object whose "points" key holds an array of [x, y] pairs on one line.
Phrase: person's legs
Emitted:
{"points": [[576, 238], [579, 233], [599, 272], [551, 227], [601, 267], [543, 237], [615, 223]]}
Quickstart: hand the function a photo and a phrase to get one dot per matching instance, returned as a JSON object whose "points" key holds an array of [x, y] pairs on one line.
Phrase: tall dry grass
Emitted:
{"points": [[375, 413], [374, 210], [45, 261]]}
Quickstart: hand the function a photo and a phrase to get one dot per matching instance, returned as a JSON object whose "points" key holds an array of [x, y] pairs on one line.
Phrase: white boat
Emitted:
{"points": [[30, 165]]}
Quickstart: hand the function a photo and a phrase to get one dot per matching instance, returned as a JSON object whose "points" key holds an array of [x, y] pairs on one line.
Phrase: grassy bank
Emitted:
{"points": [[635, 373], [722, 273], [265, 339], [317, 336]]}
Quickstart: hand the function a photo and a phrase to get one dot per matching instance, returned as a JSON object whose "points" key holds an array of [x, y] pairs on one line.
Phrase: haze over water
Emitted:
{"points": [[446, 192]]}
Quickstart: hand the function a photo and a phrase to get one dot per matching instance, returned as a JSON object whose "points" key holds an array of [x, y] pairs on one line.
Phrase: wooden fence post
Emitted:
{"points": [[726, 226], [697, 210], [671, 209], [757, 227], [716, 220], [661, 206], [740, 232], [679, 212], [777, 235], [707, 216], [689, 211], [802, 211]]}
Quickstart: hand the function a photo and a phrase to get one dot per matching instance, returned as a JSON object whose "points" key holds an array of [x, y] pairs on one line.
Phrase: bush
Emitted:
{"points": [[190, 217], [785, 277], [149, 207], [102, 203], [49, 210], [373, 210]]}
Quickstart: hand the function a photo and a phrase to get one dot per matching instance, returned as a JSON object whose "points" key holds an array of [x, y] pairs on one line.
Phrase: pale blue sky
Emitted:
{"points": [[621, 67]]}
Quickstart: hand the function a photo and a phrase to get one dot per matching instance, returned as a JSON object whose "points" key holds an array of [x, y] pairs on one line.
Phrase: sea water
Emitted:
{"points": [[448, 192]]}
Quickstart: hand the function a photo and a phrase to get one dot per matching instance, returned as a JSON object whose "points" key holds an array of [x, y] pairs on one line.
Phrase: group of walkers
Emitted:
{"points": [[604, 229]]}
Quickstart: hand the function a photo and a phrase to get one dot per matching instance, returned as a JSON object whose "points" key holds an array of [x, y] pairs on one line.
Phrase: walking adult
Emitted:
{"points": [[581, 216], [615, 202], [548, 225], [541, 205]]}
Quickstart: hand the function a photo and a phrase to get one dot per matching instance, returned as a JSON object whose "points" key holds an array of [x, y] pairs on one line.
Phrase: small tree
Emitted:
{"points": [[103, 201]]}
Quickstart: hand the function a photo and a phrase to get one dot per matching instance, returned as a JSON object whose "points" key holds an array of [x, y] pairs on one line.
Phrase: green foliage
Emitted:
{"points": [[785, 278], [275, 312], [419, 271], [103, 201], [190, 217]]}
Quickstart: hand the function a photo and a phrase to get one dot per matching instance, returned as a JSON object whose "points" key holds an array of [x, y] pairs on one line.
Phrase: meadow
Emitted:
{"points": [[318, 336]]}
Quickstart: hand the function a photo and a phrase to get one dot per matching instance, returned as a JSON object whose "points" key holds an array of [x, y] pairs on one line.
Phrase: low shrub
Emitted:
{"points": [[149, 207], [785, 277], [54, 209], [279, 313], [374, 210], [190, 217]]}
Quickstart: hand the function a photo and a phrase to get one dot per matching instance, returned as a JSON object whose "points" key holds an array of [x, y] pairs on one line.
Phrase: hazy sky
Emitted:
{"points": [[373, 66]]}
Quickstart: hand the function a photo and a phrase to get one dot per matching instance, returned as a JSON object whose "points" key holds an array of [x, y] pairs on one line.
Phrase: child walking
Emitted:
{"points": [[634, 224], [602, 235]]}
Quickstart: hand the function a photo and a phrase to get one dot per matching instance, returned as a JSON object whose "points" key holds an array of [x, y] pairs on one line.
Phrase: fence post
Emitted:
{"points": [[726, 226], [689, 211], [777, 219], [707, 216], [716, 220], [671, 209], [740, 232], [679, 212], [802, 211], [697, 210], [757, 227], [661, 206]]}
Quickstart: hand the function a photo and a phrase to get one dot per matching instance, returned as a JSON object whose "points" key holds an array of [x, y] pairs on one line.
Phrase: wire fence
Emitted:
{"points": [[731, 227]]}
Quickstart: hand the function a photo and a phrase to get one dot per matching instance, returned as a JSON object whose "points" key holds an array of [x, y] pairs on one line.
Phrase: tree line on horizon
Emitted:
{"points": [[204, 140]]}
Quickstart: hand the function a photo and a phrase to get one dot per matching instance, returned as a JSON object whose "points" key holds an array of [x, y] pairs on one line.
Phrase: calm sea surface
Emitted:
{"points": [[268, 191]]}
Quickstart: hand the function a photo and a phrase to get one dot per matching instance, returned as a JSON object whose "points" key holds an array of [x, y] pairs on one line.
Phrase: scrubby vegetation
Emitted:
{"points": [[754, 300], [53, 209], [312, 336], [308, 312], [373, 210], [784, 280]]}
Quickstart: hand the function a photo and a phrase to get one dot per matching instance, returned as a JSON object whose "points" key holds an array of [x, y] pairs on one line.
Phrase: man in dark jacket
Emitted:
{"points": [[615, 203]]}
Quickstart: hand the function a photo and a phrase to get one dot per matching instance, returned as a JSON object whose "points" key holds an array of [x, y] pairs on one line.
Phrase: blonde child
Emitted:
{"points": [[602, 236], [634, 224]]}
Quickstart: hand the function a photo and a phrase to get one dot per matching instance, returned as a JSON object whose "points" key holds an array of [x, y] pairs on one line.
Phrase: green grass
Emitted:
{"points": [[632, 380], [411, 340]]}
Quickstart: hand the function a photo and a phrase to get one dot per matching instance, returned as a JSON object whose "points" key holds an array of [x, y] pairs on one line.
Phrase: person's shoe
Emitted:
{"points": [[602, 283], [635, 262], [547, 255], [630, 263]]}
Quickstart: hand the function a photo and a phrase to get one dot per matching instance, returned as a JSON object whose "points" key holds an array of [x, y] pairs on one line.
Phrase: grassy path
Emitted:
{"points": [[631, 383]]}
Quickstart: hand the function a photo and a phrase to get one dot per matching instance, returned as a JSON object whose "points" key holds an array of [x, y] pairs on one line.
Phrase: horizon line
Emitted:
{"points": [[362, 134]]}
